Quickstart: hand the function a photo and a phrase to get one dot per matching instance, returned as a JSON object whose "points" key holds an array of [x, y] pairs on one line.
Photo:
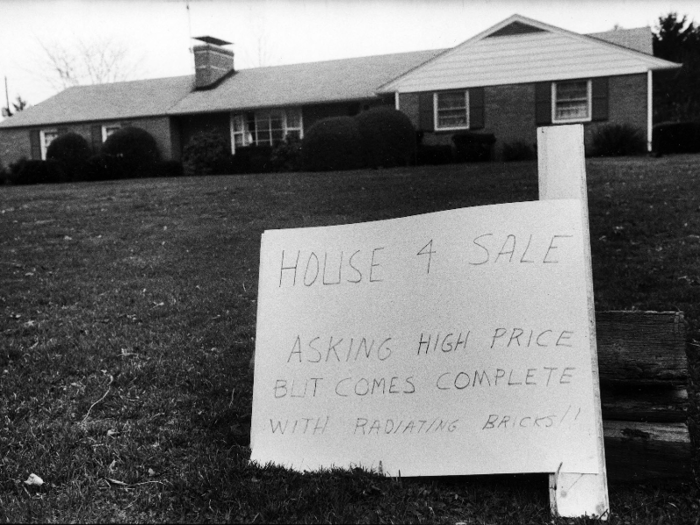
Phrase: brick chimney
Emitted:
{"points": [[212, 62]]}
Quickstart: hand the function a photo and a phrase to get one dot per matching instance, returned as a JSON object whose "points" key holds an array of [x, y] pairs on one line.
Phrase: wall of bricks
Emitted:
{"points": [[627, 103], [14, 143], [510, 112], [510, 115]]}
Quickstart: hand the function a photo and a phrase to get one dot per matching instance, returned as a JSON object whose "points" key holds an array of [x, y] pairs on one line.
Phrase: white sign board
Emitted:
{"points": [[450, 343]]}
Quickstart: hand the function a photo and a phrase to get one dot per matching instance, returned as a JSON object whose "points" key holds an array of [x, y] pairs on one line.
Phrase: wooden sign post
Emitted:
{"points": [[562, 175], [451, 343]]}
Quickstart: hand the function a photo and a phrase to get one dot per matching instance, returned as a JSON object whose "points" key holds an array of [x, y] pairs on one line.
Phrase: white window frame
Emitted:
{"points": [[106, 127], [436, 118], [42, 140], [589, 102], [249, 137]]}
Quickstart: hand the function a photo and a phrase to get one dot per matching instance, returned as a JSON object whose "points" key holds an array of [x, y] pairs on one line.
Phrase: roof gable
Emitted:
{"points": [[515, 28], [524, 50]]}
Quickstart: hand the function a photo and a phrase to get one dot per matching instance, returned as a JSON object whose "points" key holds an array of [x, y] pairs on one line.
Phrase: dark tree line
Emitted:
{"points": [[677, 92]]}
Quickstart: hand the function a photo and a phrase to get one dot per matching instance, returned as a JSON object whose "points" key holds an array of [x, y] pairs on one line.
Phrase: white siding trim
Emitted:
{"points": [[42, 140], [650, 111], [532, 57], [231, 135]]}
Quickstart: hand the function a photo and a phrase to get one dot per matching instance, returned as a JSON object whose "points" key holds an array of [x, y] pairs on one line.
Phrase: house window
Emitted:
{"points": [[571, 101], [109, 129], [265, 127], [451, 110], [47, 137]]}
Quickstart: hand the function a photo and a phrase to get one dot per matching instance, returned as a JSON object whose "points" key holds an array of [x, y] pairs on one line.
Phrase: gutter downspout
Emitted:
{"points": [[650, 111], [396, 100]]}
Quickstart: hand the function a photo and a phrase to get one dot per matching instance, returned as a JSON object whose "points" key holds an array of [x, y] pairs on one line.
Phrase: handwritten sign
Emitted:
{"points": [[449, 343]]}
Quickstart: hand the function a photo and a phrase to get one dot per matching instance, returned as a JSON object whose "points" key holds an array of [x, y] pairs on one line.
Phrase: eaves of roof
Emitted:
{"points": [[105, 102], [650, 62], [331, 81]]}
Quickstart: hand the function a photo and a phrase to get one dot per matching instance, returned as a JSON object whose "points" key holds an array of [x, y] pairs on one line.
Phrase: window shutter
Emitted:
{"points": [[600, 98], [35, 144], [543, 103], [425, 108], [96, 137], [476, 108]]}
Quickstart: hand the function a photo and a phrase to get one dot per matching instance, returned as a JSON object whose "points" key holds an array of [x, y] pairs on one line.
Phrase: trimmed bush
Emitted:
{"points": [[286, 156], [332, 143], [25, 172], [168, 168], [388, 137], [206, 152], [433, 155], [676, 137], [518, 151], [103, 167], [72, 151], [473, 147], [136, 151], [615, 140], [4, 174]]}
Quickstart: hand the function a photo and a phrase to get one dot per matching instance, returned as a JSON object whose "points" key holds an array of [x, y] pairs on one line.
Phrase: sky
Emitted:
{"points": [[156, 34]]}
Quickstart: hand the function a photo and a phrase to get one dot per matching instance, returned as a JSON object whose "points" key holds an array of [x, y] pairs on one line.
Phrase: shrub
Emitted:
{"points": [[36, 172], [103, 167], [436, 154], [518, 151], [72, 151], [676, 137], [388, 137], [332, 144], [136, 151], [168, 168], [286, 156], [205, 153], [614, 140], [473, 147]]}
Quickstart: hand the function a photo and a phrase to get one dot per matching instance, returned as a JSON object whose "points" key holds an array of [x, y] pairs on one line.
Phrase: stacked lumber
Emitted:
{"points": [[643, 370]]}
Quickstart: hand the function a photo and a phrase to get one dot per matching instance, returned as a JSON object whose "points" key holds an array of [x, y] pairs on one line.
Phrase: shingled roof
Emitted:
{"points": [[119, 100], [316, 82], [640, 38]]}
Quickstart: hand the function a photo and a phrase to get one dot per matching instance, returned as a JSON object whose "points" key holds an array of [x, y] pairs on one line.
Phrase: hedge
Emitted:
{"points": [[135, 150], [676, 137], [72, 151], [332, 143], [388, 137]]}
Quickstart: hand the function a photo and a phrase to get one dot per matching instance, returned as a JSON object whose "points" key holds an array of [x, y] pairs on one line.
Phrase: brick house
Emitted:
{"points": [[507, 80], [521, 74]]}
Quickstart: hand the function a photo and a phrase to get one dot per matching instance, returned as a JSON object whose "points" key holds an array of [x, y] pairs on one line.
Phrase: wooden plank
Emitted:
{"points": [[638, 452], [562, 175], [651, 403], [642, 346]]}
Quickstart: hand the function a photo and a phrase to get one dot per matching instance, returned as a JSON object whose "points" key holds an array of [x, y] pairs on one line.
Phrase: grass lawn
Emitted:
{"points": [[127, 321]]}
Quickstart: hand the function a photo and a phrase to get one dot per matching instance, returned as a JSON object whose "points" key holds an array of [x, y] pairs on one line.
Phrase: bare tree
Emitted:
{"points": [[261, 50], [94, 61]]}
